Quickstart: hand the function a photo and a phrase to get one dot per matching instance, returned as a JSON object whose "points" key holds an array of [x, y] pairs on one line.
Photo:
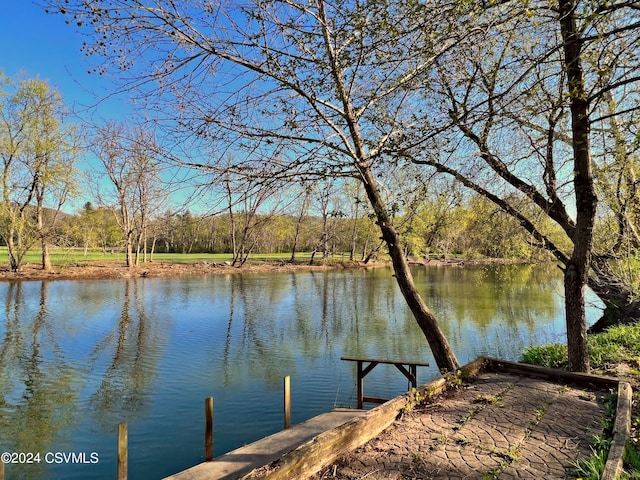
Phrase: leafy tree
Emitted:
{"points": [[38, 156], [321, 85], [492, 233], [87, 227], [126, 158], [515, 111], [107, 229]]}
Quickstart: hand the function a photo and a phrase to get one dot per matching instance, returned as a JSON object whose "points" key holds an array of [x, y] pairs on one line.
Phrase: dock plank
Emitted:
{"points": [[241, 461]]}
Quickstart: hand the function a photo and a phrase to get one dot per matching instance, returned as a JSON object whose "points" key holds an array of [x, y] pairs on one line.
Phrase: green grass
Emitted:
{"points": [[72, 256], [592, 467], [619, 343], [552, 355], [631, 462], [63, 257]]}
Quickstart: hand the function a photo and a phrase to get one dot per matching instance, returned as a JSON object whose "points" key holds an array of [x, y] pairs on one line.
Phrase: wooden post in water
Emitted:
{"points": [[208, 430], [122, 451], [287, 402]]}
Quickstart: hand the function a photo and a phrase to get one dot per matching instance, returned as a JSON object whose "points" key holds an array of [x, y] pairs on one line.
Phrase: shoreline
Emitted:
{"points": [[108, 270]]}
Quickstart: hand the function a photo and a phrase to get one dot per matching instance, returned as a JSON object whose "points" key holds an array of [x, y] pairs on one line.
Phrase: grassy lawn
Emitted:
{"points": [[615, 345], [62, 257]]}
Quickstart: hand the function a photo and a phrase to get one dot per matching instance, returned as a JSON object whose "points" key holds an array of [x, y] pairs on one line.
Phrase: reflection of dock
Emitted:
{"points": [[262, 452]]}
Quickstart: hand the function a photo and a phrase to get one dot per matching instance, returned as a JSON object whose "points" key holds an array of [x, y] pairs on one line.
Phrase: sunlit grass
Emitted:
{"points": [[552, 355], [76, 256], [631, 462], [618, 343]]}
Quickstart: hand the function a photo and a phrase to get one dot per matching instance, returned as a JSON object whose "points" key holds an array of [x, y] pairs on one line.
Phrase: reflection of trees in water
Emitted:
{"points": [[286, 316], [275, 320], [130, 350], [316, 315], [40, 382], [361, 308], [275, 323], [363, 314], [37, 388], [493, 310], [227, 368], [265, 342], [511, 295]]}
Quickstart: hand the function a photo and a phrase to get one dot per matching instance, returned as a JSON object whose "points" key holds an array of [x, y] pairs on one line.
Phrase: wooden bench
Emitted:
{"points": [[410, 372]]}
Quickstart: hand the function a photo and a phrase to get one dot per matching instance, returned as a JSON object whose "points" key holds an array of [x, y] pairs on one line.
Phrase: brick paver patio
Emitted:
{"points": [[499, 426]]}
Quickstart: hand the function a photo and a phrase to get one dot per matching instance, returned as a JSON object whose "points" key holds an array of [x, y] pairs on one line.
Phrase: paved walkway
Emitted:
{"points": [[500, 426]]}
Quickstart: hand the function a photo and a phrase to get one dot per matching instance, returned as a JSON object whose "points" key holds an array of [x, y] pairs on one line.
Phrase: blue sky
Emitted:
{"points": [[42, 45], [36, 44]]}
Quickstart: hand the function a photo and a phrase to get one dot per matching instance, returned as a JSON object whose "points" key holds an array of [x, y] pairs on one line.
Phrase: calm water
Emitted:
{"points": [[77, 358]]}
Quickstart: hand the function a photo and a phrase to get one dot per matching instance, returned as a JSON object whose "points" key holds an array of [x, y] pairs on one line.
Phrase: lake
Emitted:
{"points": [[78, 357]]}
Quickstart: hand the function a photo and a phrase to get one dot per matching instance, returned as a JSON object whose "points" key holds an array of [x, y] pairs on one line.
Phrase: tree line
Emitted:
{"points": [[128, 208], [530, 104], [467, 229]]}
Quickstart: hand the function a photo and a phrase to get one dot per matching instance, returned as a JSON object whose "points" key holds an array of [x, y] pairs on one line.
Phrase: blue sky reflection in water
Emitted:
{"points": [[76, 358]]}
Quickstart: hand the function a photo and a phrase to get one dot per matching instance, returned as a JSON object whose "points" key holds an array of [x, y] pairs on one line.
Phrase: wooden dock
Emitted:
{"points": [[241, 461], [312, 445]]}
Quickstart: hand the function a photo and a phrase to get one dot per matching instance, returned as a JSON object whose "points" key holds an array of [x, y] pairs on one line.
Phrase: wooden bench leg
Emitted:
{"points": [[360, 385], [362, 372]]}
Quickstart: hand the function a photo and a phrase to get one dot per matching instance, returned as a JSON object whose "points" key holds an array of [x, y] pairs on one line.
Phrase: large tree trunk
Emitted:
{"points": [[576, 319], [576, 273], [46, 257], [622, 304], [442, 352]]}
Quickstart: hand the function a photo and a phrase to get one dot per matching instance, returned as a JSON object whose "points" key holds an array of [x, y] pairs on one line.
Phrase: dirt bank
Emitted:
{"points": [[116, 269], [110, 270]]}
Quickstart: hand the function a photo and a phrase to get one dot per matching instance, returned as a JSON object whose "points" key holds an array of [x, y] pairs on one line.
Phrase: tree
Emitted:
{"points": [[87, 226], [576, 272], [354, 189], [38, 157], [305, 197], [148, 190], [513, 110], [126, 157], [325, 196], [107, 229], [54, 152], [322, 85], [112, 155]]}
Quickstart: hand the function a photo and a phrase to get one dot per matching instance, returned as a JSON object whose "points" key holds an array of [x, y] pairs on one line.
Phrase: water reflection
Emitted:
{"points": [[37, 388], [44, 376], [130, 353], [76, 358]]}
